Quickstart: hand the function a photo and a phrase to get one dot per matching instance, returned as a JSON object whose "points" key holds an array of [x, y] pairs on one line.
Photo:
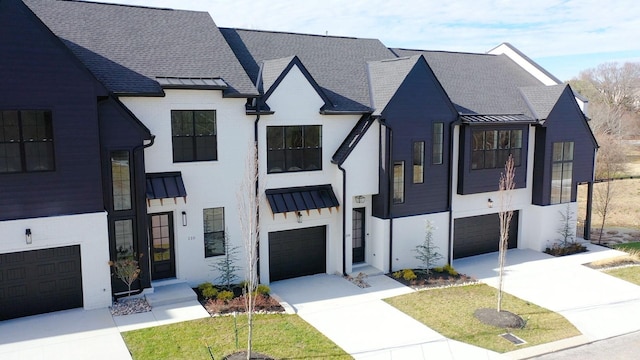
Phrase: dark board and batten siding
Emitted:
{"points": [[565, 123], [418, 103], [46, 76]]}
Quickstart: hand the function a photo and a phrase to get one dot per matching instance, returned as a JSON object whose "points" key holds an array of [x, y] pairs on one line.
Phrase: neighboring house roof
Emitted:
{"points": [[479, 83], [129, 47], [338, 64], [500, 49], [542, 99], [385, 77]]}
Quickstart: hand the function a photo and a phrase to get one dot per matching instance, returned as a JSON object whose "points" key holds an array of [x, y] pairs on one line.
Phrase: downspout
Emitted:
{"points": [[450, 190], [257, 189], [587, 223], [390, 168], [133, 152], [344, 219]]}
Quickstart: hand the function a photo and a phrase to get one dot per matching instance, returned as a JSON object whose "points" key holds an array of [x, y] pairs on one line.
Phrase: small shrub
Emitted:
{"points": [[409, 275], [263, 289], [205, 285], [438, 269], [225, 295], [450, 270], [397, 274], [209, 292]]}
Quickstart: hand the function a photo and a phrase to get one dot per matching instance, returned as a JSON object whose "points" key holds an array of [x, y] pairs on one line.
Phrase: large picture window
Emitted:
{"points": [[398, 182], [491, 148], [26, 141], [294, 148], [213, 231], [194, 135], [562, 172]]}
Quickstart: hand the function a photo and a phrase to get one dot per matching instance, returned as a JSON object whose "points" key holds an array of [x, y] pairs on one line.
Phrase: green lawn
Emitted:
{"points": [[630, 274], [280, 336], [628, 246], [449, 311]]}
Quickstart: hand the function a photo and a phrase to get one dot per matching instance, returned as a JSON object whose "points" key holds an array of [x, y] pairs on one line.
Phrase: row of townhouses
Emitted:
{"points": [[125, 131]]}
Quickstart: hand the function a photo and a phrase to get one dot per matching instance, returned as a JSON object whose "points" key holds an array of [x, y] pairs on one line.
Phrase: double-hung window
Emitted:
{"points": [[491, 148], [26, 141], [562, 172], [194, 135], [213, 232], [294, 148], [398, 182]]}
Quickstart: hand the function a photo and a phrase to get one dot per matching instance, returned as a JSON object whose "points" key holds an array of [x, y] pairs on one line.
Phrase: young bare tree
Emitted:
{"points": [[248, 197], [610, 164], [506, 184]]}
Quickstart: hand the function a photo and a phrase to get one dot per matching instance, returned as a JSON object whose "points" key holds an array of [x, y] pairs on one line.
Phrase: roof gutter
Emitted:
{"points": [[344, 219]]}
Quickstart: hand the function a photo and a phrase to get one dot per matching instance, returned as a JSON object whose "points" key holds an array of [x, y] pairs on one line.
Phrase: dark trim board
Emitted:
{"points": [[40, 281], [299, 252], [477, 235]]}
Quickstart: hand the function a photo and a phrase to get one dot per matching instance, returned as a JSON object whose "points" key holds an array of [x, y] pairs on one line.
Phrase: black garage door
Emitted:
{"points": [[40, 281], [300, 252], [481, 234]]}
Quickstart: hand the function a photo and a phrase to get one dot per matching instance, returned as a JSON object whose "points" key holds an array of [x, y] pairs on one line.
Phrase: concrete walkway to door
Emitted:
{"points": [[366, 327], [599, 305]]}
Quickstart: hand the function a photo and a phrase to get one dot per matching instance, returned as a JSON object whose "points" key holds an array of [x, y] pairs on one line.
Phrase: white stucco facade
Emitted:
{"points": [[87, 230]]}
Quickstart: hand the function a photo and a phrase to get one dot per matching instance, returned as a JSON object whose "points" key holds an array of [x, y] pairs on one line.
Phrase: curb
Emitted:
{"points": [[547, 348]]}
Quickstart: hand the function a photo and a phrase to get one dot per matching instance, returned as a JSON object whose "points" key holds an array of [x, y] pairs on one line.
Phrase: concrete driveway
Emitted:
{"points": [[599, 305], [366, 327], [71, 334]]}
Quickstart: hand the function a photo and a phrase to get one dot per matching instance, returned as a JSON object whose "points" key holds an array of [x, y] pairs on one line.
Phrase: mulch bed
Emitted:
{"points": [[242, 355], [436, 279], [265, 304], [502, 319]]}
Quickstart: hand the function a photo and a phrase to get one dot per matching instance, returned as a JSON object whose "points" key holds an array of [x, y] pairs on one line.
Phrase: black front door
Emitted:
{"points": [[357, 235], [163, 263]]}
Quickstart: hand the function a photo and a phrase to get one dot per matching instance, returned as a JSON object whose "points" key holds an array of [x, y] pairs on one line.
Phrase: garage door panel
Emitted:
{"points": [[40, 281], [481, 234], [295, 253]]}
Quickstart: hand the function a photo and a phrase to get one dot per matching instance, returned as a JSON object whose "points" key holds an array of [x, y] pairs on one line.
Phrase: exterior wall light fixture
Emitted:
{"points": [[490, 203], [359, 199], [299, 216], [27, 236], [184, 218]]}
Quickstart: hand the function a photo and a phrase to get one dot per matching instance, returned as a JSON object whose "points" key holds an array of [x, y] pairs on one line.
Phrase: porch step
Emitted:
{"points": [[366, 269], [171, 294]]}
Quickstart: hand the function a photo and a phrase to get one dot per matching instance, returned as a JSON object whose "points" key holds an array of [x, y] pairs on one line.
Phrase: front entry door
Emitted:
{"points": [[163, 263], [357, 235]]}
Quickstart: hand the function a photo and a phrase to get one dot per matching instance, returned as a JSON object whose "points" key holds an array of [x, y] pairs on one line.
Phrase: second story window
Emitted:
{"points": [[294, 148], [121, 180], [26, 141], [418, 162], [194, 135], [438, 143], [398, 182], [491, 148]]}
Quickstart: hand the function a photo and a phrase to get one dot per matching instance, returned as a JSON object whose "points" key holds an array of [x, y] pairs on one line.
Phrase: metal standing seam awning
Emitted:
{"points": [[304, 198], [165, 186]]}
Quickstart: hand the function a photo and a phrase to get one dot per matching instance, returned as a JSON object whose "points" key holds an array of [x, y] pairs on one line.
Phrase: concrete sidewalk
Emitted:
{"points": [[366, 327], [599, 305]]}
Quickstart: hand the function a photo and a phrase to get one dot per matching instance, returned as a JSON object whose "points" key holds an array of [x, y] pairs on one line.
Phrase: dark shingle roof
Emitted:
{"points": [[352, 139], [338, 64], [385, 77], [479, 83], [542, 99], [127, 47]]}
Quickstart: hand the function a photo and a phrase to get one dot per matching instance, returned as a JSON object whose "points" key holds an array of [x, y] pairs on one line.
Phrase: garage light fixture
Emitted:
{"points": [[184, 218], [490, 203], [299, 216], [359, 199], [27, 235]]}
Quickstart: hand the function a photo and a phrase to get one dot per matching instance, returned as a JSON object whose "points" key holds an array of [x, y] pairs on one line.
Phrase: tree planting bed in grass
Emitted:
{"points": [[280, 336], [450, 311]]}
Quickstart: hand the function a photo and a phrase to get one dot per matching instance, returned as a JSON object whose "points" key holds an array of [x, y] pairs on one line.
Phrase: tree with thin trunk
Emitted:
{"points": [[506, 184], [611, 161], [248, 212]]}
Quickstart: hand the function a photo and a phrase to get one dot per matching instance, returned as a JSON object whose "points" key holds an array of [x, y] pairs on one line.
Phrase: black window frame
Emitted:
{"points": [[437, 148], [119, 185], [490, 148], [213, 233], [418, 155], [294, 148], [31, 141], [398, 183], [188, 140], [563, 162]]}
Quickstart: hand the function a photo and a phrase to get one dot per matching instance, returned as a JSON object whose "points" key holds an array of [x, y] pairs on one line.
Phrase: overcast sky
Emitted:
{"points": [[564, 36]]}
